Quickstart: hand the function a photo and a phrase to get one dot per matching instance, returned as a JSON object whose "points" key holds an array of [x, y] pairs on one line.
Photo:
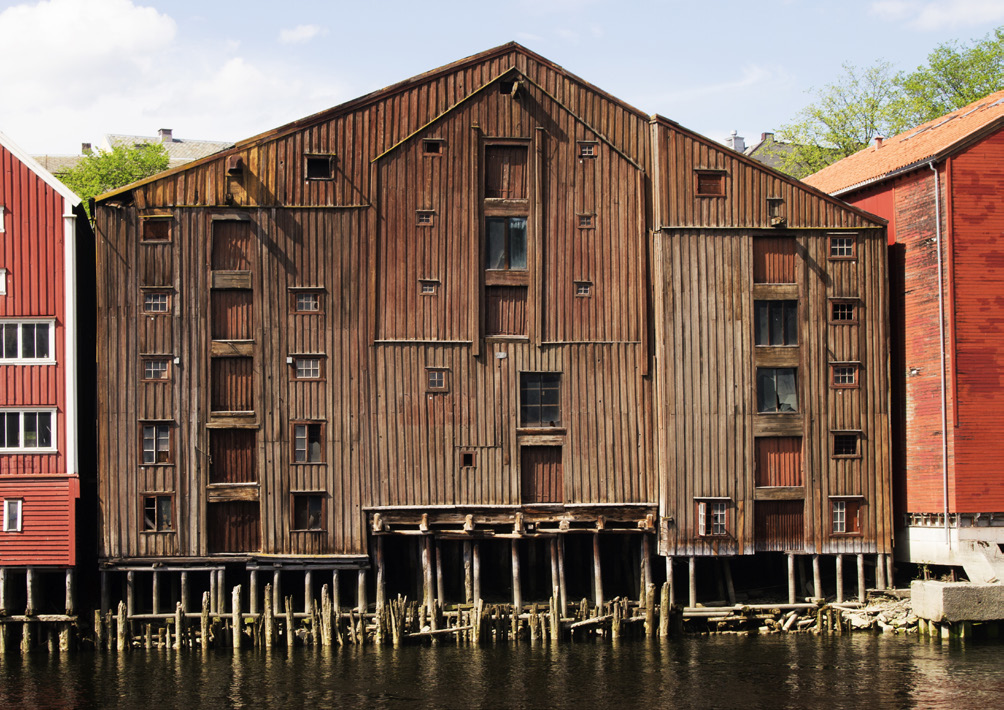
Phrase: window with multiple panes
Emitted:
{"points": [[306, 302], [12, 514], [843, 246], [587, 221], [307, 368], [846, 444], [308, 442], [156, 302], [308, 511], [845, 515], [156, 368], [27, 430], [505, 246], [437, 379], [540, 399], [156, 229], [158, 514], [156, 443], [712, 517], [843, 311], [26, 342], [425, 218], [776, 322], [428, 287], [776, 389], [588, 149], [583, 289], [844, 375]]}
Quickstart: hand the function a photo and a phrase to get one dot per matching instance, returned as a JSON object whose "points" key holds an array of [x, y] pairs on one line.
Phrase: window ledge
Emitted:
{"points": [[540, 430], [507, 338]]}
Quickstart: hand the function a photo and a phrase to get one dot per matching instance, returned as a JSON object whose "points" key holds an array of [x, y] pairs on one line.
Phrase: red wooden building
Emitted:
{"points": [[940, 186], [42, 226]]}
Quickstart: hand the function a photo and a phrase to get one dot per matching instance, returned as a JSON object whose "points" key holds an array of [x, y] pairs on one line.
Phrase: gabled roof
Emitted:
{"points": [[36, 168], [931, 141], [179, 150]]}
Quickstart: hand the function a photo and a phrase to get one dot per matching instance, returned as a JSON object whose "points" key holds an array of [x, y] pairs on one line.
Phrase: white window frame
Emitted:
{"points": [[18, 504], [839, 515], [307, 367], [713, 517], [21, 449], [3, 282], [20, 322]]}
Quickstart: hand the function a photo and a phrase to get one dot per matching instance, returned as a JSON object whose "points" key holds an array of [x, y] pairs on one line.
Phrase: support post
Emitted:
{"points": [[597, 571], [427, 592], [692, 569], [155, 592], [336, 595], [106, 595], [3, 610], [221, 588], [361, 592], [440, 582], [70, 594], [555, 579], [308, 592], [268, 624], [664, 610], [562, 589], [517, 589], [120, 628], [468, 573], [646, 560], [476, 567], [889, 579], [817, 580], [179, 626], [327, 622], [213, 594], [730, 589], [381, 584], [840, 578], [276, 593], [791, 578], [862, 592], [879, 571], [253, 592], [204, 620], [184, 592], [290, 623], [31, 584], [235, 617], [669, 581]]}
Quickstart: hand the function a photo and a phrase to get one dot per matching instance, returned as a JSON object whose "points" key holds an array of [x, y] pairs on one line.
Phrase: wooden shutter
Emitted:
{"points": [[231, 246], [541, 475], [234, 526], [779, 461], [779, 525], [232, 456], [232, 384], [774, 260], [505, 172], [505, 310], [231, 314]]}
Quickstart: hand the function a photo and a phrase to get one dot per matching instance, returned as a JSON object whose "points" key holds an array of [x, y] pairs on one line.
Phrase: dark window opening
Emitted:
{"points": [[467, 459], [157, 514], [156, 230], [776, 390], [776, 322], [710, 184], [308, 443], [712, 518], [319, 167], [846, 516], [540, 399], [432, 147], [506, 243], [308, 511], [846, 445]]}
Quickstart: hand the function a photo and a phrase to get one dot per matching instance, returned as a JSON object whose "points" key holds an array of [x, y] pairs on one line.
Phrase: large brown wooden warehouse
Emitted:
{"points": [[488, 314]]}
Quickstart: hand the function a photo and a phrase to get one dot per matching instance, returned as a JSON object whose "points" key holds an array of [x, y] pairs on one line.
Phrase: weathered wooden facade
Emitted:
{"points": [[450, 312], [939, 185]]}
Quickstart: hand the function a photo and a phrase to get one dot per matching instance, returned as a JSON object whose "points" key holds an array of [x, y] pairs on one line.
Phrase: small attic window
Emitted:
{"points": [[319, 167], [583, 289], [425, 218], [586, 221], [710, 183], [432, 146], [588, 149], [507, 86], [156, 229]]}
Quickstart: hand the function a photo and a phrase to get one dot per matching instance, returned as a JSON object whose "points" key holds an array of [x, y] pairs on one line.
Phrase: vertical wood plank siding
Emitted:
{"points": [[234, 526], [780, 526], [357, 241], [541, 474], [779, 461], [774, 260], [232, 456]]}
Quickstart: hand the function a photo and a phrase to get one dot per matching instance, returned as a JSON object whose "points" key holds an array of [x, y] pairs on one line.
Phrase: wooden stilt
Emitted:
{"points": [[268, 622], [130, 593], [362, 605], [440, 582], [791, 578], [476, 569], [179, 625], [817, 580], [221, 588], [381, 584], [879, 571], [120, 628], [308, 592], [155, 592], [839, 561], [670, 582], [730, 590], [553, 555], [147, 636], [214, 596], [235, 617], [427, 589], [326, 617], [889, 569], [106, 604], [3, 610], [468, 573], [70, 605], [336, 595], [99, 632], [253, 592], [664, 610], [862, 592], [28, 627], [290, 623], [646, 561], [650, 627], [597, 571], [693, 581], [204, 620], [517, 587], [562, 589], [184, 592]]}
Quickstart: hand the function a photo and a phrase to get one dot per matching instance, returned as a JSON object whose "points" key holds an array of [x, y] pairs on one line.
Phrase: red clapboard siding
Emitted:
{"points": [[49, 518], [774, 260], [779, 461], [540, 474], [779, 525]]}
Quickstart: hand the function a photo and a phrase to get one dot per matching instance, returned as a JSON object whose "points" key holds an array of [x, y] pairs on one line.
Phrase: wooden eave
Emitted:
{"points": [[507, 74], [369, 99], [794, 182]]}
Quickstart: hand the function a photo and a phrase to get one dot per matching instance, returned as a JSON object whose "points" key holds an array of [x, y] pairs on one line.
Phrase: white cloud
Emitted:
{"points": [[750, 75], [938, 14], [301, 34]]}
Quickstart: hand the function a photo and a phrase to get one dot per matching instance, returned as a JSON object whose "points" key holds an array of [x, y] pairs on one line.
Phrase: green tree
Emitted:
{"points": [[105, 170], [953, 77], [845, 116]]}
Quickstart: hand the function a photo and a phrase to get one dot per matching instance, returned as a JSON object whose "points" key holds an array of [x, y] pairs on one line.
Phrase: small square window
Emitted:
{"points": [[308, 442], [507, 86], [157, 229], [156, 302], [156, 369], [156, 443], [712, 518], [158, 515], [307, 368], [843, 247], [320, 167], [307, 302], [308, 511], [12, 519], [583, 289], [845, 516], [587, 149], [437, 379], [843, 312], [587, 221], [428, 287], [710, 183], [467, 459], [844, 375], [846, 445], [432, 146], [425, 218]]}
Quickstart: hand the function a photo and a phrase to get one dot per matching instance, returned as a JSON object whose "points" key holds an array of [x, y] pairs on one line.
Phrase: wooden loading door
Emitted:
{"points": [[779, 525], [540, 475], [234, 526]]}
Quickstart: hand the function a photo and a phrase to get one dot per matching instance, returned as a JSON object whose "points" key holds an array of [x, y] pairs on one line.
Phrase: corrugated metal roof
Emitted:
{"points": [[916, 146]]}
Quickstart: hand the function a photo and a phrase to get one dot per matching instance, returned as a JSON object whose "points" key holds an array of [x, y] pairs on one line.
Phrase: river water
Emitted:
{"points": [[851, 671]]}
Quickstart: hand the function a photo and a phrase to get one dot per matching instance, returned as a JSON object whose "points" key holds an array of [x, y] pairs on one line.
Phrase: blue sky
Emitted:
{"points": [[226, 70]]}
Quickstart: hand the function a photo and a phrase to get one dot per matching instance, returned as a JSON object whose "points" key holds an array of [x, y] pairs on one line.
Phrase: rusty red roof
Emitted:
{"points": [[917, 146]]}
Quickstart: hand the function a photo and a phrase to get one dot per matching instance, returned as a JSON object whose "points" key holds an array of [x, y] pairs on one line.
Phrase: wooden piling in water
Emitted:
{"points": [[381, 584], [468, 573], [650, 628], [183, 594], [817, 580], [791, 578], [517, 588], [361, 592], [597, 571], [839, 565], [3, 611], [290, 623], [440, 581], [664, 610], [336, 595], [326, 617], [120, 628], [268, 622], [66, 628], [692, 573], [179, 625], [476, 569], [235, 617], [562, 589], [862, 592], [204, 620], [99, 632]]}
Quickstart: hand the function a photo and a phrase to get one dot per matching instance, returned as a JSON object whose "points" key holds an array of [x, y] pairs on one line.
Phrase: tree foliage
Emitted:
{"points": [[105, 170]]}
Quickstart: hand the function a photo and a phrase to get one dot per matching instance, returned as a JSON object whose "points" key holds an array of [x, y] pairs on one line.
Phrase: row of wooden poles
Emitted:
{"points": [[57, 629]]}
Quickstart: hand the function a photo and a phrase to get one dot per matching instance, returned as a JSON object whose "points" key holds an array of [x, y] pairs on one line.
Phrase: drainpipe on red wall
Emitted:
{"points": [[941, 345]]}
